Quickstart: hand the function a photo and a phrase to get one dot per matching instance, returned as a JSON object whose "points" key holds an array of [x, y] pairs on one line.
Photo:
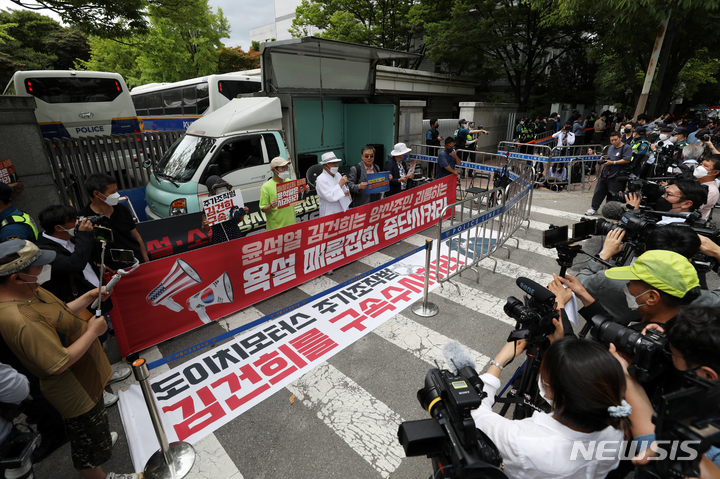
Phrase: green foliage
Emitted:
{"points": [[255, 46], [699, 70], [112, 56], [235, 59]]}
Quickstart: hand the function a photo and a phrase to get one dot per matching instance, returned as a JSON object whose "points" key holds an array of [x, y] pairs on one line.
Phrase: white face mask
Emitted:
{"points": [[700, 172], [113, 199], [222, 189], [673, 139], [41, 278], [70, 232], [543, 393], [663, 137], [632, 300], [334, 170], [283, 174]]}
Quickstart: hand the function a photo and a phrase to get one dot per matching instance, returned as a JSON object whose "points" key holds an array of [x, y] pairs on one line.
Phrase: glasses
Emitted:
{"points": [[368, 156], [282, 168], [667, 195], [669, 354]]}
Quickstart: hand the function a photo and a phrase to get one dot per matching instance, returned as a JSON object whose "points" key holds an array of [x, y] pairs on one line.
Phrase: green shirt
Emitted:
{"points": [[276, 218]]}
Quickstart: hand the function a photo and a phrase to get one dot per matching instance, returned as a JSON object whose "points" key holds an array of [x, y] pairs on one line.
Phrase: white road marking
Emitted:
{"points": [[557, 213]]}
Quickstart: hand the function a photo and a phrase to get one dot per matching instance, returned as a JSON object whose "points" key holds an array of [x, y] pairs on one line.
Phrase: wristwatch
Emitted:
{"points": [[497, 364]]}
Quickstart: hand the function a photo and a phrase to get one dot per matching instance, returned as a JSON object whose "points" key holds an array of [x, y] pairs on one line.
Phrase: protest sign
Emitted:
{"points": [[288, 192], [219, 208], [378, 182]]}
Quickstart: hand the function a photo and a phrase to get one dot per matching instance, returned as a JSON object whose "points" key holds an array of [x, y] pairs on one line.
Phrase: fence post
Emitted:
{"points": [[424, 308]]}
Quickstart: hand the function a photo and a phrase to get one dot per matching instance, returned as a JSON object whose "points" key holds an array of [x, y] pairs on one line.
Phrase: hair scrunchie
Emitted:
{"points": [[623, 410]]}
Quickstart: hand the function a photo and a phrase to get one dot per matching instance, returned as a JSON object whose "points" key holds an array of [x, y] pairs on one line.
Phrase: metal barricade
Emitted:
{"points": [[516, 201], [568, 164]]}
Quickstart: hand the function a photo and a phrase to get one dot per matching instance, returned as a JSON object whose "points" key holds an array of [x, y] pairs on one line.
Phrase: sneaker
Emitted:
{"points": [[112, 475], [119, 374], [590, 212], [109, 398], [114, 436]]}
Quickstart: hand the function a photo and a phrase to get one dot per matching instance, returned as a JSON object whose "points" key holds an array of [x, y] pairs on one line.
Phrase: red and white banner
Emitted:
{"points": [[289, 192], [170, 296], [202, 394]]}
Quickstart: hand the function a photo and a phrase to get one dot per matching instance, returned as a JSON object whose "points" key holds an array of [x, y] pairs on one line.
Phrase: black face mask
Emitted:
{"points": [[663, 205]]}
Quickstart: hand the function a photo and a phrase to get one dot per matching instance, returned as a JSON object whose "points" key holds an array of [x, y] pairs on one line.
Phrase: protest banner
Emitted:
{"points": [[184, 291], [378, 182], [288, 192]]}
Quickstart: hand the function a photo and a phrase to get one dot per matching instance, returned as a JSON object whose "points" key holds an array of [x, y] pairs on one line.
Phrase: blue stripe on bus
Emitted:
{"points": [[54, 130], [123, 126], [161, 123]]}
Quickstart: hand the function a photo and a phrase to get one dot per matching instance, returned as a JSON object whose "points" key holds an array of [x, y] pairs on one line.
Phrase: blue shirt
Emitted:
{"points": [[692, 138], [14, 231], [444, 159]]}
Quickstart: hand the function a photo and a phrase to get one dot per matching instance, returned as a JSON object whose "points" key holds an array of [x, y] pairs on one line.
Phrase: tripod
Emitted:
{"points": [[526, 394]]}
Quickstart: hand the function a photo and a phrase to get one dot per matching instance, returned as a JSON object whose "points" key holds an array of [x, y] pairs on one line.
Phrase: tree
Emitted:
{"points": [[235, 59], [111, 56]]}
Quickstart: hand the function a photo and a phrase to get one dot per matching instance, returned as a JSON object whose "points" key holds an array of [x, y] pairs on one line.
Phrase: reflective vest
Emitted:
{"points": [[24, 219]]}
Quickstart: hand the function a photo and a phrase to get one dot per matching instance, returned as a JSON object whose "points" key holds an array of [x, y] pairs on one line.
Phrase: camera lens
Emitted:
{"points": [[514, 308], [624, 339], [428, 394], [603, 227]]}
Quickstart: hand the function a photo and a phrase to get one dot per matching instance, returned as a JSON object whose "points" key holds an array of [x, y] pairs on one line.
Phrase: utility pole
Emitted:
{"points": [[651, 67]]}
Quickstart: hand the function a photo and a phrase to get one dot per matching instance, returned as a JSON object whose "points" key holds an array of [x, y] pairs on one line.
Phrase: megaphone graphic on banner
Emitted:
{"points": [[220, 291], [180, 277]]}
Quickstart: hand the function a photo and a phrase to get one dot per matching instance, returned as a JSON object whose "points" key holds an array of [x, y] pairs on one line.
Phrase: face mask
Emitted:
{"points": [[113, 199], [221, 190], [673, 139], [334, 170], [632, 300], [663, 205], [663, 137], [43, 277], [541, 390], [449, 150], [70, 232], [700, 172], [283, 174]]}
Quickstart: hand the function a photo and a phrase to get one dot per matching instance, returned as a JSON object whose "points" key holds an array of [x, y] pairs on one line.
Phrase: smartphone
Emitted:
{"points": [[555, 236], [122, 255], [583, 230], [103, 234]]}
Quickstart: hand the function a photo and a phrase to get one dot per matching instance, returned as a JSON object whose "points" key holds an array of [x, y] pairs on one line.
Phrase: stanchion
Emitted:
{"points": [[171, 461], [424, 308]]}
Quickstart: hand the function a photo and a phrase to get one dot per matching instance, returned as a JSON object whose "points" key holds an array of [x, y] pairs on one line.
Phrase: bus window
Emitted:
{"points": [[172, 101], [232, 88], [73, 90], [189, 100], [203, 97], [155, 103], [140, 102]]}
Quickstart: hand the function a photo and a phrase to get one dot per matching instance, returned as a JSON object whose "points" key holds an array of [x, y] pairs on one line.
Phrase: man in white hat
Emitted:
{"points": [[277, 217], [334, 195], [399, 172]]}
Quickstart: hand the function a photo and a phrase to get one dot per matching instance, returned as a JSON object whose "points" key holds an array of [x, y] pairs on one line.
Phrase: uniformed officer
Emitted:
{"points": [[641, 149], [14, 224]]}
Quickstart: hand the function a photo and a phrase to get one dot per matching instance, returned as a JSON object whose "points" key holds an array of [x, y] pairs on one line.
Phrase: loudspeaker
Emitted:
{"points": [[220, 291], [180, 277], [312, 173]]}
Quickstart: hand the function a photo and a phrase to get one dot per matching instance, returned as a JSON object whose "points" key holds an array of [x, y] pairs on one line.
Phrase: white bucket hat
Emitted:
{"points": [[329, 157], [400, 149]]}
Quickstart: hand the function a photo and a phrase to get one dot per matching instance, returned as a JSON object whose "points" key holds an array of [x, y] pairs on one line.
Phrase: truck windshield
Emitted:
{"points": [[184, 158]]}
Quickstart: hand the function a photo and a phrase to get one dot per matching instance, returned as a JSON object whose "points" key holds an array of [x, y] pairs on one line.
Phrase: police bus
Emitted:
{"points": [[77, 103], [174, 106]]}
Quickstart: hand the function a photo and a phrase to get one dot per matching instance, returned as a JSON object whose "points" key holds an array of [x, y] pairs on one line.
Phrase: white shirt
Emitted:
{"points": [[539, 446], [330, 193], [713, 194], [561, 137], [14, 387], [88, 272]]}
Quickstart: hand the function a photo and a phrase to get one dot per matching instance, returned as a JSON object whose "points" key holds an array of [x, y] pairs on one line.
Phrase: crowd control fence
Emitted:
{"points": [[74, 159]]}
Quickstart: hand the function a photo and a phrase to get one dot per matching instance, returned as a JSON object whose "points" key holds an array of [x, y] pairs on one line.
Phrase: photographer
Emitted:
{"points": [[706, 173], [578, 128], [14, 388], [691, 157], [585, 388], [565, 136], [618, 155], [683, 196]]}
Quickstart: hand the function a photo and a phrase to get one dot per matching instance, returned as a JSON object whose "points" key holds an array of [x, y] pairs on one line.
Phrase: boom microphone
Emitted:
{"points": [[613, 210], [538, 292], [457, 357]]}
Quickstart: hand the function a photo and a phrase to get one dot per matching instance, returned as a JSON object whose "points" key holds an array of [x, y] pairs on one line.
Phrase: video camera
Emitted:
{"points": [[648, 349], [649, 190], [637, 226], [688, 418], [534, 315], [450, 438]]}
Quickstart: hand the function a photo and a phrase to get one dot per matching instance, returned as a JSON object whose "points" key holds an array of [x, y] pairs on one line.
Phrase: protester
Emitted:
{"points": [[73, 371], [358, 179], [14, 224], [401, 176], [618, 154], [229, 229], [102, 189], [276, 217], [447, 160], [331, 187]]}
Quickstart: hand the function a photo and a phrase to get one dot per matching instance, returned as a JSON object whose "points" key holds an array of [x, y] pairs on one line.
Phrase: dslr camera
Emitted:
{"points": [[650, 191], [636, 225]]}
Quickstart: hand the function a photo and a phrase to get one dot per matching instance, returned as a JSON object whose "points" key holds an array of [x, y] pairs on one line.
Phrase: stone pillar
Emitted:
{"points": [[410, 129], [493, 117], [22, 142]]}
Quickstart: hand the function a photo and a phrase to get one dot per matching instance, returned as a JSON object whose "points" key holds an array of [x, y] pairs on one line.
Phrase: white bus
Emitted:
{"points": [[174, 106], [77, 103]]}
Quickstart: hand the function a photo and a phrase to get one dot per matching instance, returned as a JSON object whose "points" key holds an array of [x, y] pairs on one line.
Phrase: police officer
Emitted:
{"points": [[641, 149], [14, 224], [433, 137]]}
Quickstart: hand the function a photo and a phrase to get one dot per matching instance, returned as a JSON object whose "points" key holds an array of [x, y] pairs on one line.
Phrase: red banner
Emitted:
{"points": [[169, 296]]}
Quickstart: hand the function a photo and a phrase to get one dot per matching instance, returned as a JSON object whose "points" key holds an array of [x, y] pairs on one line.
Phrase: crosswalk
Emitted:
{"points": [[335, 399]]}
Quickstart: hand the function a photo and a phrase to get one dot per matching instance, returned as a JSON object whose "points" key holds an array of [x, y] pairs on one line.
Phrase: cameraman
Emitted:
{"points": [[691, 157], [565, 136], [585, 388], [683, 196], [607, 185]]}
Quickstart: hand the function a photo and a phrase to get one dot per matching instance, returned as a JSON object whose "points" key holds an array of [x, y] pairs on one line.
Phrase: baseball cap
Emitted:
{"points": [[5, 192], [640, 129], [462, 121], [664, 270], [278, 161], [16, 255], [680, 131]]}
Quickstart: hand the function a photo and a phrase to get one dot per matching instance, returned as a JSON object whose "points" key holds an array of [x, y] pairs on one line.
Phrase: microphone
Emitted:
{"points": [[457, 357], [613, 210], [538, 292]]}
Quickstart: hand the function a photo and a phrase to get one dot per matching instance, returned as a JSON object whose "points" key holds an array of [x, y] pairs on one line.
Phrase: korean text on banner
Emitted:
{"points": [[288, 193], [7, 173], [378, 182], [219, 208], [184, 291]]}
